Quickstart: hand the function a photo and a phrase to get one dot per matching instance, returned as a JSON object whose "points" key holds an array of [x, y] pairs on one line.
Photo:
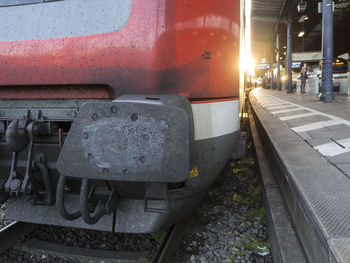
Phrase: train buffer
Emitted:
{"points": [[307, 143]]}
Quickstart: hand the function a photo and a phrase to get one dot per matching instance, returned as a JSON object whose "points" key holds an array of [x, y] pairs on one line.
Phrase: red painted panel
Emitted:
{"points": [[189, 47], [55, 92]]}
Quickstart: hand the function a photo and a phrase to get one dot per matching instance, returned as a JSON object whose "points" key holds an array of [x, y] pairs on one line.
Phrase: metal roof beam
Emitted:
{"points": [[265, 19]]}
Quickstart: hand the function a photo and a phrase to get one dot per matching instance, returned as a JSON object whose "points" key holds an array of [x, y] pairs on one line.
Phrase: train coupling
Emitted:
{"points": [[20, 137], [135, 138]]}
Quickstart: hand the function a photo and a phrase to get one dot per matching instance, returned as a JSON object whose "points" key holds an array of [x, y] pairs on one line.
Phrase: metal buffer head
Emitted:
{"points": [[135, 138], [17, 135]]}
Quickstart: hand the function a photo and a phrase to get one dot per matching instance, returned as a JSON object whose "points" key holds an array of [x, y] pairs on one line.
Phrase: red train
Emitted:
{"points": [[115, 115]]}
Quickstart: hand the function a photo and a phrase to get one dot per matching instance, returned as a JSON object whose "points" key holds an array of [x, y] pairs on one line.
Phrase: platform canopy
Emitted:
{"points": [[267, 20]]}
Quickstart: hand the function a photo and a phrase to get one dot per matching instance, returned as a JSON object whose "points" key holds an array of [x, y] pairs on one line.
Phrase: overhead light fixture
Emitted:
{"points": [[284, 47], [284, 53], [301, 6], [301, 33], [281, 57], [303, 18]]}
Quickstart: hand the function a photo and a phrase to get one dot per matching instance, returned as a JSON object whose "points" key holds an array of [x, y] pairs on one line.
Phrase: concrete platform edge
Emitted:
{"points": [[312, 234], [285, 244]]}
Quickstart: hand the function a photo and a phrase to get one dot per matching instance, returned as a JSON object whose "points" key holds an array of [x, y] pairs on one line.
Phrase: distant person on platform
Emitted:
{"points": [[303, 78]]}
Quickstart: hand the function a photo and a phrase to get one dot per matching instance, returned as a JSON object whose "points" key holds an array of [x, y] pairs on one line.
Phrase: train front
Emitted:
{"points": [[115, 115]]}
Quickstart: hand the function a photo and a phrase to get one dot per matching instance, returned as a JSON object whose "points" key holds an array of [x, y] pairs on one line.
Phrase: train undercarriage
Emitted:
{"points": [[120, 165]]}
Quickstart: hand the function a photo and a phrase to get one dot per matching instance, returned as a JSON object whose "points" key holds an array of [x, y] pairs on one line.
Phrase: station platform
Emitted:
{"points": [[308, 146]]}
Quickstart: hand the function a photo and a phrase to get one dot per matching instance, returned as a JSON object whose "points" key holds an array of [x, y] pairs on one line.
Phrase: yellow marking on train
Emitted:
{"points": [[236, 198], [236, 170], [194, 172]]}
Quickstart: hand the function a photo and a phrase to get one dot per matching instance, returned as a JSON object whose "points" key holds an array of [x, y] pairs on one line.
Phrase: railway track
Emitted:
{"points": [[11, 234]]}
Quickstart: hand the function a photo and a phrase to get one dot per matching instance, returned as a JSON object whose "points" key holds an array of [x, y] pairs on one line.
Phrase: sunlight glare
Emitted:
{"points": [[247, 62]]}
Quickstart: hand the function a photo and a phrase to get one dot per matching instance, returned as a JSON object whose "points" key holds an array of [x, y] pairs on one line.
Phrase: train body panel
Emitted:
{"points": [[185, 47], [68, 126]]}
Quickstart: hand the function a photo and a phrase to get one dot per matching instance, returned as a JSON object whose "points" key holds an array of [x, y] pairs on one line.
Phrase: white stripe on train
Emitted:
{"points": [[214, 119]]}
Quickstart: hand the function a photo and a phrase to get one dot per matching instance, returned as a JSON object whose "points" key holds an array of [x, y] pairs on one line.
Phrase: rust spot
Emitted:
{"points": [[206, 55]]}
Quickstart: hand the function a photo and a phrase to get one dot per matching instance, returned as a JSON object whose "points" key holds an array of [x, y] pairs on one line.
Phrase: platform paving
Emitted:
{"points": [[327, 129], [311, 143]]}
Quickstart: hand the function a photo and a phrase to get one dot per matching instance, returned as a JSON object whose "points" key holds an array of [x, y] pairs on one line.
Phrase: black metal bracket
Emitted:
{"points": [[26, 184], [156, 198], [20, 136], [44, 197], [13, 182], [112, 202]]}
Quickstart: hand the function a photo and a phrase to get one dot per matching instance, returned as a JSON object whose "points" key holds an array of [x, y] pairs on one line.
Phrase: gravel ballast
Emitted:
{"points": [[144, 244], [3, 221], [71, 237], [96, 239], [229, 224]]}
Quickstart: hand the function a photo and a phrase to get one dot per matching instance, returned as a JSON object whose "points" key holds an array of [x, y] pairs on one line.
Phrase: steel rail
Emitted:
{"points": [[170, 243], [45, 248], [12, 232]]}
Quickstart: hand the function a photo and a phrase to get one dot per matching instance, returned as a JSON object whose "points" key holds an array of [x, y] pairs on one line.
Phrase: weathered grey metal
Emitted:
{"points": [[327, 51], [133, 138], [60, 201], [240, 146], [17, 136], [130, 215], [86, 207], [156, 198], [51, 109], [22, 210]]}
